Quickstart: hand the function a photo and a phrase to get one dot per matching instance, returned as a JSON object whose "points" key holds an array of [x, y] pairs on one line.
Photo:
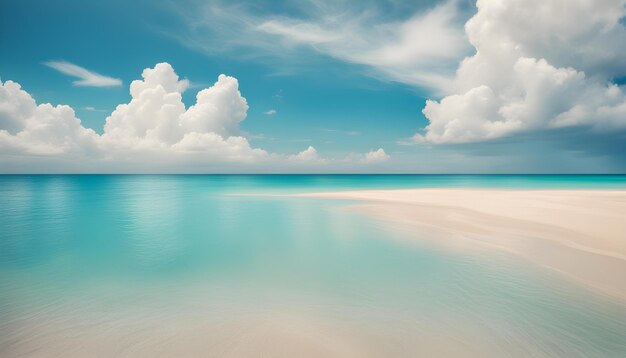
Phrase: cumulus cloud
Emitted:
{"points": [[85, 77], [155, 122], [375, 156], [538, 66], [156, 116], [153, 130], [307, 156], [156, 119], [310, 156], [44, 129]]}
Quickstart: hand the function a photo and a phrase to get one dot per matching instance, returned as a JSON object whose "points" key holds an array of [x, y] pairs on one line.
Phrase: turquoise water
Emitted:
{"points": [[88, 259]]}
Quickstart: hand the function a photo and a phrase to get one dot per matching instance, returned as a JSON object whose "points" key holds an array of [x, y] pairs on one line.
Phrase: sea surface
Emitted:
{"points": [[149, 265]]}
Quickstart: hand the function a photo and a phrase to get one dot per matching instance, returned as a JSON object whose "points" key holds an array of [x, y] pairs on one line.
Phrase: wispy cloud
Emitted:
{"points": [[349, 133], [416, 46], [279, 95], [86, 78], [270, 112], [93, 109]]}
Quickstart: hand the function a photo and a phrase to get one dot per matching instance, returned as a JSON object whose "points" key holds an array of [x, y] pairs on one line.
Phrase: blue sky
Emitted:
{"points": [[120, 39], [347, 78]]}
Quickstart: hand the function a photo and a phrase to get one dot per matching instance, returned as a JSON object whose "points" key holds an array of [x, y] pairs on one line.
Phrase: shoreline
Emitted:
{"points": [[580, 234]]}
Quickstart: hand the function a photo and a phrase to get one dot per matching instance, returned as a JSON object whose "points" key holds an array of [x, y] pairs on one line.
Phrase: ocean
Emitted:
{"points": [[132, 265]]}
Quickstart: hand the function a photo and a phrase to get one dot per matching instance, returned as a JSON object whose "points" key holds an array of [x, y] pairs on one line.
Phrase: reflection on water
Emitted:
{"points": [[151, 211], [178, 265]]}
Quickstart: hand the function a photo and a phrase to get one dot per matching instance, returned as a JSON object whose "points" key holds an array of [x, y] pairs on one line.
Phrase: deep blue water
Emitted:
{"points": [[109, 247]]}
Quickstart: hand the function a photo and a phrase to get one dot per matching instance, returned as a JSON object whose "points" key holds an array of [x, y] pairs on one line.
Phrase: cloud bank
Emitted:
{"points": [[544, 70], [152, 132], [539, 66]]}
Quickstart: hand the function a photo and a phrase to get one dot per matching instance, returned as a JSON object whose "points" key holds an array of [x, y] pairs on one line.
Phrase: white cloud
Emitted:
{"points": [[85, 77], [375, 156], [26, 127], [156, 119], [212, 145], [270, 112], [541, 67], [538, 66], [152, 132], [348, 133], [299, 31], [418, 48], [307, 156], [310, 156], [154, 123], [93, 109]]}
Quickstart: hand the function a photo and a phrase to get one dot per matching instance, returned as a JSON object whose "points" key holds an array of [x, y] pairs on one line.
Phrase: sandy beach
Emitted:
{"points": [[579, 233], [134, 266]]}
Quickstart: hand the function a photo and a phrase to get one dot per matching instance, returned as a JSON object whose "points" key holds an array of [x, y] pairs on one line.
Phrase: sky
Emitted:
{"points": [[313, 86]]}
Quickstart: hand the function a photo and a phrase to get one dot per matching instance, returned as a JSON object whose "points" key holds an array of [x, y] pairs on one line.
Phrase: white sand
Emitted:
{"points": [[579, 233]]}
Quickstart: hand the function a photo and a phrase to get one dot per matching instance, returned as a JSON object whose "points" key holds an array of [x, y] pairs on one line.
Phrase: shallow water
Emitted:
{"points": [[148, 265]]}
